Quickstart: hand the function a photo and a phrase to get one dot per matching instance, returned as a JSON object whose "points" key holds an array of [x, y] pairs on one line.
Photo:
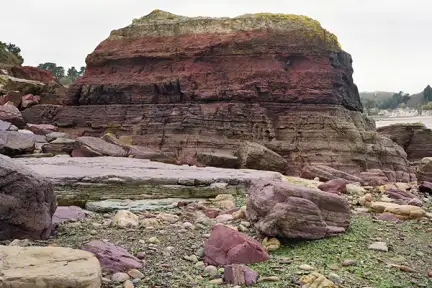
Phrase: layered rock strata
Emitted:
{"points": [[208, 84]]}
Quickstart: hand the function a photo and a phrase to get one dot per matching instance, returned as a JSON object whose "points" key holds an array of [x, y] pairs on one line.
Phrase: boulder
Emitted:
{"points": [[424, 170], [258, 157], [239, 275], [226, 246], [13, 97], [425, 187], [125, 219], [292, 211], [27, 202], [48, 267], [337, 186], [401, 197], [29, 100], [55, 135], [11, 114], [92, 147], [218, 159], [112, 258], [59, 146], [402, 212], [41, 129], [415, 138], [68, 213], [325, 173], [15, 143]]}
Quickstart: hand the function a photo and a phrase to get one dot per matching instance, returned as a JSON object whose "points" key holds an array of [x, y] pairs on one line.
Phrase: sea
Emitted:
{"points": [[384, 121]]}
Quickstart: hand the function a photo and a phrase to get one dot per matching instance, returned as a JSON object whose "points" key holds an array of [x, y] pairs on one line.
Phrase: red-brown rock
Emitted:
{"points": [[182, 84], [94, 147], [293, 211], [336, 186], [29, 100], [27, 202], [240, 275], [325, 173], [13, 97], [41, 129], [415, 138], [32, 73], [226, 246], [11, 114]]}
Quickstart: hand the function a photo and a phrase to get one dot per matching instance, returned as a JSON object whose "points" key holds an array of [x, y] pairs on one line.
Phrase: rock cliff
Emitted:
{"points": [[183, 84]]}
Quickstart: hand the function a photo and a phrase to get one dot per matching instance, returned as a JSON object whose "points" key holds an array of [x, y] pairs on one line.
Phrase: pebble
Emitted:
{"points": [[106, 280], [349, 262], [188, 225], [170, 248], [20, 243], [192, 258], [120, 277], [128, 284], [224, 218], [379, 246], [269, 279], [245, 223], [170, 218], [140, 255], [200, 252], [243, 228], [306, 267], [335, 278], [135, 274], [153, 240], [430, 274], [206, 235], [210, 271], [93, 232], [218, 281], [200, 265]]}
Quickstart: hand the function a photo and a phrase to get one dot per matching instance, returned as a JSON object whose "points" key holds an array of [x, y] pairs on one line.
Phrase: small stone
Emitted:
{"points": [[306, 267], [335, 278], [120, 277], [20, 243], [218, 281], [188, 225], [406, 269], [206, 235], [240, 214], [153, 240], [128, 284], [170, 248], [192, 258], [125, 219], [200, 252], [150, 222], [349, 262], [243, 228], [135, 274], [419, 253], [141, 255], [379, 246], [210, 271], [106, 280], [166, 217], [269, 279], [93, 232], [224, 218], [200, 265], [430, 274], [245, 223], [271, 244]]}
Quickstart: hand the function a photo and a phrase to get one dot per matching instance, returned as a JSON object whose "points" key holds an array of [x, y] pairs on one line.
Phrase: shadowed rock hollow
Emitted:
{"points": [[204, 84]]}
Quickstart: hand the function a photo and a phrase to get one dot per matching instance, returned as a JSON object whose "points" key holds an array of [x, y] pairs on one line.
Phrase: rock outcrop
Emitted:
{"points": [[424, 170], [415, 138], [207, 84], [27, 202], [287, 210]]}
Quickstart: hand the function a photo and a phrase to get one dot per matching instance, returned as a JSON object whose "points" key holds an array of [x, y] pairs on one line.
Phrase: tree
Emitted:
{"points": [[81, 72], [72, 73], [369, 104], [57, 71], [14, 49], [427, 94]]}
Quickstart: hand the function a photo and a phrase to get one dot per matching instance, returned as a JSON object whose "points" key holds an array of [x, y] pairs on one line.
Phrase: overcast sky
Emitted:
{"points": [[390, 40]]}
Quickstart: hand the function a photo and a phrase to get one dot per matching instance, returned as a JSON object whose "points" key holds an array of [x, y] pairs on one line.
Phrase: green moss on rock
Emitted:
{"points": [[162, 23]]}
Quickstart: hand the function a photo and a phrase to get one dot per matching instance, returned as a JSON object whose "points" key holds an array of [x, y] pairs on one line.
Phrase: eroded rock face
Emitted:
{"points": [[93, 147], [281, 81], [424, 171], [11, 114], [14, 143], [415, 138], [27, 202], [294, 211]]}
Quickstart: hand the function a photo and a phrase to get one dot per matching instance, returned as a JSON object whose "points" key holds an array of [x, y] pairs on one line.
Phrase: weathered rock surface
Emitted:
{"points": [[325, 173], [93, 147], [59, 146], [424, 170], [41, 129], [277, 80], [294, 211], [337, 186], [239, 275], [79, 180], [68, 213], [415, 138], [11, 114], [402, 212], [48, 267], [15, 143], [256, 156], [113, 258], [27, 202], [226, 246], [134, 206]]}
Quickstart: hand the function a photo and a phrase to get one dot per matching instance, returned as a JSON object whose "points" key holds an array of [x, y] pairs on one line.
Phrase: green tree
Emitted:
{"points": [[72, 73], [14, 49], [427, 94], [369, 104], [57, 71], [81, 72]]}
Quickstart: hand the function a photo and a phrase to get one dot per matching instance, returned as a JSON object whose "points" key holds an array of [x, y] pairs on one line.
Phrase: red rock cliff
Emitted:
{"points": [[206, 83]]}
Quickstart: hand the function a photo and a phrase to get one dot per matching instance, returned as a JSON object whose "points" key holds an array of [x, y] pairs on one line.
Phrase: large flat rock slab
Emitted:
{"points": [[48, 267], [79, 180]]}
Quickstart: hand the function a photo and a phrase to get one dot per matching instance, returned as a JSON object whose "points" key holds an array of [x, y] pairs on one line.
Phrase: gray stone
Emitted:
{"points": [[10, 113], [4, 126], [110, 205], [59, 146], [13, 143], [379, 246], [54, 135]]}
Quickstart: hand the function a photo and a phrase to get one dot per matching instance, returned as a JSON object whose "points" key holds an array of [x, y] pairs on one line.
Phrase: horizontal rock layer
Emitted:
{"points": [[303, 134]]}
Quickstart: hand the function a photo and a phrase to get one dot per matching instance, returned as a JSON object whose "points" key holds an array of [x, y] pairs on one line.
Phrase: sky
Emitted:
{"points": [[390, 40]]}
